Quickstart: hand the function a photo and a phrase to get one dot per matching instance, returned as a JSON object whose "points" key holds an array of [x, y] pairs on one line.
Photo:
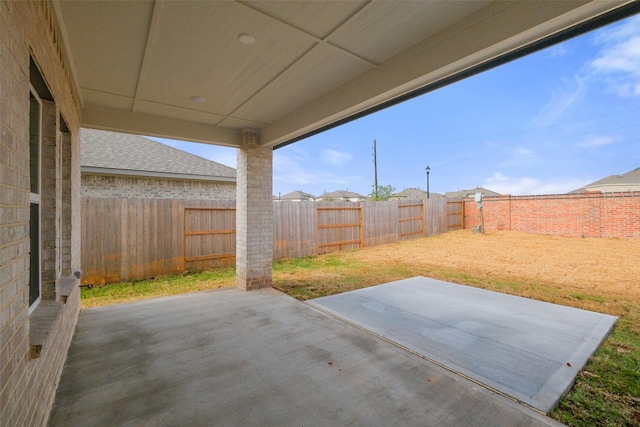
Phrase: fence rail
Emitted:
{"points": [[209, 235], [411, 225], [126, 239], [339, 228]]}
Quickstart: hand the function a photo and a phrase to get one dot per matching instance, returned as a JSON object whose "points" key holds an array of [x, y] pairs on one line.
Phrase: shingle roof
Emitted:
{"points": [[294, 195], [341, 194], [471, 192], [632, 177], [125, 152], [415, 193]]}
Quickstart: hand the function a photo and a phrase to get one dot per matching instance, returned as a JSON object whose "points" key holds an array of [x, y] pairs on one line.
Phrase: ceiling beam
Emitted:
{"points": [[151, 125]]}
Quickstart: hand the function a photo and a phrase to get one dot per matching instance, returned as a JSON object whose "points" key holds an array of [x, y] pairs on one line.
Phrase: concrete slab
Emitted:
{"points": [[230, 358], [527, 349]]}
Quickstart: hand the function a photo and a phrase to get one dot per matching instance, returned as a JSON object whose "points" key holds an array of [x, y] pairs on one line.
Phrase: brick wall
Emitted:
{"points": [[49, 201], [107, 187], [28, 383], [606, 215]]}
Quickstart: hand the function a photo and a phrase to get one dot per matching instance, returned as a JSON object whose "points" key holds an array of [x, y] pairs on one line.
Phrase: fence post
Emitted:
{"points": [[361, 225]]}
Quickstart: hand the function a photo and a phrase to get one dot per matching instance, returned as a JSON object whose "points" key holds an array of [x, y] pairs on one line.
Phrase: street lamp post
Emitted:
{"points": [[428, 170]]}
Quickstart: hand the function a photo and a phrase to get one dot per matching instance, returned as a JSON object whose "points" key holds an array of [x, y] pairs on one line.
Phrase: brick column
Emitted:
{"points": [[254, 214]]}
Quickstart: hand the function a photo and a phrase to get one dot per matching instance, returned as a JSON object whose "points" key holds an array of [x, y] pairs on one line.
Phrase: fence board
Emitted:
{"points": [[380, 222], [294, 232], [455, 215], [435, 221], [125, 239]]}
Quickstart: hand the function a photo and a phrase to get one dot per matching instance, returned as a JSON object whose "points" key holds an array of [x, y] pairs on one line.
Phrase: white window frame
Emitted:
{"points": [[35, 198]]}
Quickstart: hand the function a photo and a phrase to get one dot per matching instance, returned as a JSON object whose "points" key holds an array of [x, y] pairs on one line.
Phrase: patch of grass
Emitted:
{"points": [[323, 275], [161, 286], [589, 297], [317, 276], [607, 391]]}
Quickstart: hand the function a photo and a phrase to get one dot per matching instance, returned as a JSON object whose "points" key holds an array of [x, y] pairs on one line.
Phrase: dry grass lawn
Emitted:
{"points": [[597, 274]]}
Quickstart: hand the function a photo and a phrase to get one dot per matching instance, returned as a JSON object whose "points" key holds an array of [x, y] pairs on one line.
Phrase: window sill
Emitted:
{"points": [[44, 317], [66, 286]]}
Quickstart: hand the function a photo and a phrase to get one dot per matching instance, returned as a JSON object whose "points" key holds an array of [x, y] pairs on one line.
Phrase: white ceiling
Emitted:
{"points": [[136, 64]]}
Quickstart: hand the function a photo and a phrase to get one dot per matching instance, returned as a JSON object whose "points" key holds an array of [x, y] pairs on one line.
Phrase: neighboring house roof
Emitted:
{"points": [[341, 195], [414, 193], [297, 195], [629, 181], [463, 194], [112, 153]]}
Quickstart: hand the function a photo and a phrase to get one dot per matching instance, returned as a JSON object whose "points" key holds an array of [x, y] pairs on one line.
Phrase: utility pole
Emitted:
{"points": [[375, 171]]}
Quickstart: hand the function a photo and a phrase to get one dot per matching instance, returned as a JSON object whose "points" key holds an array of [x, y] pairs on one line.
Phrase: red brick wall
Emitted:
{"points": [[574, 215]]}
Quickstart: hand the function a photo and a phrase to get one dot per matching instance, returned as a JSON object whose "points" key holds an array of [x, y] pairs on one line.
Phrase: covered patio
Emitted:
{"points": [[254, 75]]}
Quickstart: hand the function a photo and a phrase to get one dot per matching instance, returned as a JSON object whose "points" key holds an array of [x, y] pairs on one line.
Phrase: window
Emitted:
{"points": [[35, 127]]}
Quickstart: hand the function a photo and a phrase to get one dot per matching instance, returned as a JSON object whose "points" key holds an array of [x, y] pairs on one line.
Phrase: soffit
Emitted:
{"points": [[136, 64]]}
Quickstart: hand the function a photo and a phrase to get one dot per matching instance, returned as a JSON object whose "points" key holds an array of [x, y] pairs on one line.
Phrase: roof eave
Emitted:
{"points": [[154, 174]]}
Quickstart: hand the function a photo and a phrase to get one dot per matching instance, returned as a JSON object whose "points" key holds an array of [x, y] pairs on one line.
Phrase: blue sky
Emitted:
{"points": [[547, 123]]}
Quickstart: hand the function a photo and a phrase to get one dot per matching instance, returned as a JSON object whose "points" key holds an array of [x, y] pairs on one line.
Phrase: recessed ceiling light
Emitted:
{"points": [[245, 38], [197, 99]]}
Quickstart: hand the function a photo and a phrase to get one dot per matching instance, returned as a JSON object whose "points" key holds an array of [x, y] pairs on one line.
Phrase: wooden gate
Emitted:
{"points": [[209, 237], [410, 220], [455, 215], [339, 228]]}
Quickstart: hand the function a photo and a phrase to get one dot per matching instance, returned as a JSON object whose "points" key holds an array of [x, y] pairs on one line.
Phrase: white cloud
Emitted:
{"points": [[623, 31], [619, 58], [557, 51], [518, 186], [335, 157], [626, 90], [523, 151], [294, 167], [561, 100], [597, 141]]}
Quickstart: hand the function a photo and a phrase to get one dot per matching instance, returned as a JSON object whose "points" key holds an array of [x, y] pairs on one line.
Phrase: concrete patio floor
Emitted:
{"points": [[529, 350], [230, 358]]}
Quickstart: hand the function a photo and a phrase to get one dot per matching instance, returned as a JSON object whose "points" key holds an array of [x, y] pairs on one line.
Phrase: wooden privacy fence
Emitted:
{"points": [[126, 239]]}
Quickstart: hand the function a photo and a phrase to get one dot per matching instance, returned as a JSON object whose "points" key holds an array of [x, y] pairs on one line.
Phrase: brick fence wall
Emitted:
{"points": [[608, 215]]}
